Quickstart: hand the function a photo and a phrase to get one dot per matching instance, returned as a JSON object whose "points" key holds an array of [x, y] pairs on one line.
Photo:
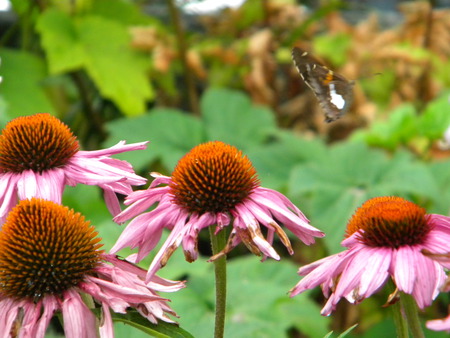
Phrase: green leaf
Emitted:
{"points": [[162, 329], [346, 332], [351, 174], [275, 160], [22, 88], [441, 174], [435, 119], [171, 133], [61, 41], [102, 47], [115, 68], [231, 117], [400, 128]]}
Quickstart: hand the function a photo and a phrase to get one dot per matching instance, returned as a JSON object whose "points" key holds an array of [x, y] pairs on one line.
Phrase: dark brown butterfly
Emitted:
{"points": [[334, 92]]}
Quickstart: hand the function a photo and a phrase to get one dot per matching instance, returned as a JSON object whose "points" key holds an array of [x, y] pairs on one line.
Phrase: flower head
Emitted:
{"points": [[213, 184], [48, 256], [386, 237], [39, 155]]}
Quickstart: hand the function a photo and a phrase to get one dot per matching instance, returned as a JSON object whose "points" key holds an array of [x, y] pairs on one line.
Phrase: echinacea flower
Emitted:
{"points": [[50, 258], [39, 155], [385, 238], [212, 184]]}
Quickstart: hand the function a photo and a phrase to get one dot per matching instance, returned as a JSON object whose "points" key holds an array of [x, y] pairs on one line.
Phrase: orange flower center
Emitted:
{"points": [[213, 177], [389, 222], [38, 143], [45, 248]]}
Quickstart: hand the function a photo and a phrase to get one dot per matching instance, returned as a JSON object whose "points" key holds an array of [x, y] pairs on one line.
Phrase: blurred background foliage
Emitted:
{"points": [[167, 72]]}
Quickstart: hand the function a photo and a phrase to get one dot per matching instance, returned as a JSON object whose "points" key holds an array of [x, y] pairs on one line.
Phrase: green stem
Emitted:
{"points": [[400, 321], [412, 315], [401, 324], [220, 269]]}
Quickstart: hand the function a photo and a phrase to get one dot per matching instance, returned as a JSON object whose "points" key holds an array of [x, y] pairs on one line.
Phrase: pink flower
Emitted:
{"points": [[48, 256], [212, 184], [385, 238], [39, 156]]}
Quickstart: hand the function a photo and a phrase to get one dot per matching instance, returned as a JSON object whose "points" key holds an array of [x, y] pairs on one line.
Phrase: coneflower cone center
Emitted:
{"points": [[45, 248], [37, 142], [213, 177], [389, 222]]}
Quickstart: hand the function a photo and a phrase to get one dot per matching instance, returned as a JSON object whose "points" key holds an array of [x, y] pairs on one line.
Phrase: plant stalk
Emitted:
{"points": [[220, 270]]}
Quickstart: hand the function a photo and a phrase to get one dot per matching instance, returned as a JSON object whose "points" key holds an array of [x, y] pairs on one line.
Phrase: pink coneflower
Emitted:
{"points": [[39, 156], [212, 184], [49, 258], [385, 238]]}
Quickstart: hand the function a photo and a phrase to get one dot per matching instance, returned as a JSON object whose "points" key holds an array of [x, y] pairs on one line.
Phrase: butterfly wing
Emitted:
{"points": [[333, 91]]}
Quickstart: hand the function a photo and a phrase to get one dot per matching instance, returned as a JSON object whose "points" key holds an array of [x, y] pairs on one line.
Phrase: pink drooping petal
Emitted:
{"points": [[79, 321], [297, 224], [376, 271], [430, 277], [10, 309], [403, 268], [245, 220], [170, 220], [111, 200], [159, 179], [439, 324], [8, 194], [172, 242], [106, 324], [141, 201], [48, 185], [50, 306], [319, 272]]}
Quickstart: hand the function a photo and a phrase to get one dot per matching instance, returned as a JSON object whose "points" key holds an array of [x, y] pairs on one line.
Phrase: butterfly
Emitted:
{"points": [[333, 91]]}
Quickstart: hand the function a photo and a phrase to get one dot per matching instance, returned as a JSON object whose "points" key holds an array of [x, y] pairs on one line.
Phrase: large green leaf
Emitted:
{"points": [[22, 85], [231, 117], [171, 133], [228, 116], [275, 160], [102, 47], [61, 42]]}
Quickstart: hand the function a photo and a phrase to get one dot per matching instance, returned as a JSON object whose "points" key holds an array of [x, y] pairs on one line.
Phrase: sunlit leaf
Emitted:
{"points": [[102, 48]]}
